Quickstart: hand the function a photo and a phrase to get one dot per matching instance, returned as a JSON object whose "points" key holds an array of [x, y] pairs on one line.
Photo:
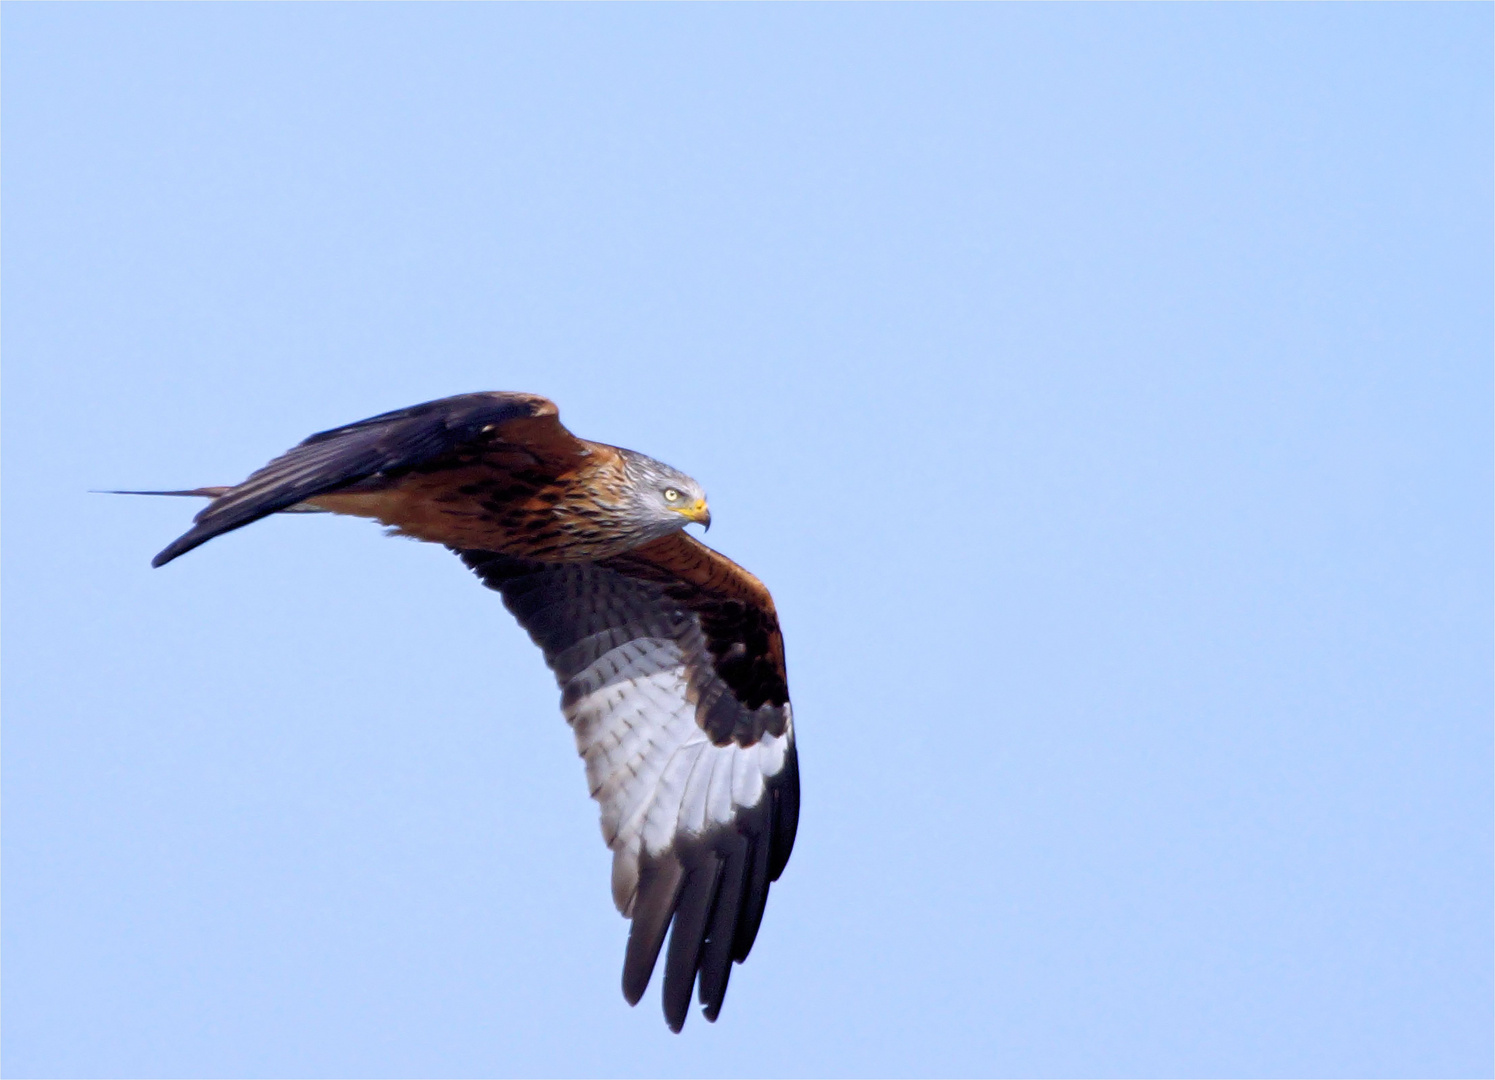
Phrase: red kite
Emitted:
{"points": [[668, 654]]}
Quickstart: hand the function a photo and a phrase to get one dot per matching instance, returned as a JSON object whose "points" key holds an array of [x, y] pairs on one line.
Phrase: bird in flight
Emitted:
{"points": [[667, 653]]}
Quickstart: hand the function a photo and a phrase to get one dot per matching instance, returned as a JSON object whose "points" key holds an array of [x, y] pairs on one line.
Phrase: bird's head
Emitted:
{"points": [[666, 499]]}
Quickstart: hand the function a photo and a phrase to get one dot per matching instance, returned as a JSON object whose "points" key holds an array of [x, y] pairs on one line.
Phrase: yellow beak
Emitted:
{"points": [[698, 512]]}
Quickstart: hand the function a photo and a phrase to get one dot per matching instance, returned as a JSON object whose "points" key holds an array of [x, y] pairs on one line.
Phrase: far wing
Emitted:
{"points": [[697, 776], [384, 446]]}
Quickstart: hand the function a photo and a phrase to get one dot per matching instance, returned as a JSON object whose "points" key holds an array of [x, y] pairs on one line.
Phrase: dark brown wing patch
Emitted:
{"points": [[737, 616]]}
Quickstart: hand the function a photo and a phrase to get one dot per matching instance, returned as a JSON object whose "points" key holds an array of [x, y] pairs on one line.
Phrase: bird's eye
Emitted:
{"points": [[671, 495]]}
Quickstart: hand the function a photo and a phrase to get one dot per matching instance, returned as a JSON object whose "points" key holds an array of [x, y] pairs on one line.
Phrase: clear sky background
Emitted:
{"points": [[1104, 392]]}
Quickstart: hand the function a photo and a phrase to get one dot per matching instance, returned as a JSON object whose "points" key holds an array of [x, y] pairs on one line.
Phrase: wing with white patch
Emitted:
{"points": [[697, 780]]}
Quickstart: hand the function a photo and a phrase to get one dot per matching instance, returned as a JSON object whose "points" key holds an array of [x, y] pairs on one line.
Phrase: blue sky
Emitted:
{"points": [[1104, 392]]}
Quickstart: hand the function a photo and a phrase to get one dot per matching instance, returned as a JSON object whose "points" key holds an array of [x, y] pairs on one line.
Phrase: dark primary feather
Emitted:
{"points": [[383, 446], [687, 939], [658, 896], [733, 855]]}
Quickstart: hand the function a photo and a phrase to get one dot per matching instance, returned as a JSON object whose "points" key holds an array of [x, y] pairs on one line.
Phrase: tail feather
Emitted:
{"points": [[202, 492], [196, 536]]}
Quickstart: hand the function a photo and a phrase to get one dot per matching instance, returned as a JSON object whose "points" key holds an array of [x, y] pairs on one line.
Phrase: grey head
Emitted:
{"points": [[664, 500]]}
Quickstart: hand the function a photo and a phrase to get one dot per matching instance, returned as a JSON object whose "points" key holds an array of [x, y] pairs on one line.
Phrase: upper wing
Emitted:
{"points": [[384, 446], [673, 682]]}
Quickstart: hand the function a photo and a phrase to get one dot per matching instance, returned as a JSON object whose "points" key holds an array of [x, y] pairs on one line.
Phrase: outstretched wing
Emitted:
{"points": [[381, 448], [671, 670]]}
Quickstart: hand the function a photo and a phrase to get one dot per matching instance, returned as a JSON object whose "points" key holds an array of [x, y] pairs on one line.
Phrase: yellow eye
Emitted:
{"points": [[671, 495]]}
